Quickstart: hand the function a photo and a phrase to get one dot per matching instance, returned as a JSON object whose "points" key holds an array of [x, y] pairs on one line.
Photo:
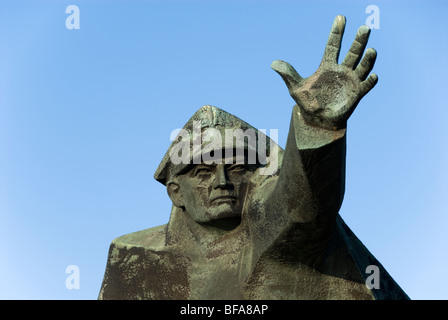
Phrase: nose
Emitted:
{"points": [[221, 178]]}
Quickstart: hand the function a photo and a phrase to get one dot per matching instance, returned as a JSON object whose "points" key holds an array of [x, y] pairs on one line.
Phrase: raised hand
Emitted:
{"points": [[330, 95]]}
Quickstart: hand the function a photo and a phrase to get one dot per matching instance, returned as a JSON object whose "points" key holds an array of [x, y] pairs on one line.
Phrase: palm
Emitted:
{"points": [[329, 96]]}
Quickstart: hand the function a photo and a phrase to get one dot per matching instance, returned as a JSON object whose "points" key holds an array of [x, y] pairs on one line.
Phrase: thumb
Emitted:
{"points": [[287, 72]]}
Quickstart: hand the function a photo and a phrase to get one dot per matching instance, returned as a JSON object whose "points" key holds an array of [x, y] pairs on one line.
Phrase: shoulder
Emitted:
{"points": [[152, 238], [141, 266]]}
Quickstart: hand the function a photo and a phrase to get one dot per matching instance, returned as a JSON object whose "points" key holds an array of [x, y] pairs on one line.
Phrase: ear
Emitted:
{"points": [[173, 189]]}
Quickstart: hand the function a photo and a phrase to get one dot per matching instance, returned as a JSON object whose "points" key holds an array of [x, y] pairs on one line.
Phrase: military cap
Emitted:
{"points": [[208, 124]]}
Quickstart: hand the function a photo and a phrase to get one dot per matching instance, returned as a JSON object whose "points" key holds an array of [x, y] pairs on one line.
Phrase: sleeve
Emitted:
{"points": [[311, 182]]}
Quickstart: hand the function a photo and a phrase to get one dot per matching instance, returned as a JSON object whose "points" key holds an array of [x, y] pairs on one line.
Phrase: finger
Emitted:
{"points": [[333, 47], [366, 64], [287, 72], [356, 50], [368, 84]]}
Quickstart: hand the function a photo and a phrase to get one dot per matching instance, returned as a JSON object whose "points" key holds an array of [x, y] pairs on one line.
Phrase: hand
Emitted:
{"points": [[330, 95]]}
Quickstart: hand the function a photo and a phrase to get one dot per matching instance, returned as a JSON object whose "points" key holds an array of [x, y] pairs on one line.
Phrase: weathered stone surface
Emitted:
{"points": [[268, 227]]}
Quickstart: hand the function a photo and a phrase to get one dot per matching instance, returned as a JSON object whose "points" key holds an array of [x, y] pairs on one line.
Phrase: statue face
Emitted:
{"points": [[210, 193]]}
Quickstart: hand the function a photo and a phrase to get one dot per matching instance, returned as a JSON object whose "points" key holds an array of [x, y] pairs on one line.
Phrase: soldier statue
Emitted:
{"points": [[253, 221]]}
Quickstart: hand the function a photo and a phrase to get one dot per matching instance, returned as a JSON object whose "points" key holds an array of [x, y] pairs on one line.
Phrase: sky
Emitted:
{"points": [[86, 116]]}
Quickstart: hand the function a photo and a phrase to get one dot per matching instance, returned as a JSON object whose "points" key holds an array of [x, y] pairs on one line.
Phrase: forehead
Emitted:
{"points": [[226, 156], [227, 159], [227, 162]]}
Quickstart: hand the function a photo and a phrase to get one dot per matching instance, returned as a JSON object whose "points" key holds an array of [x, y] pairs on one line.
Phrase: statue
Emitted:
{"points": [[250, 220]]}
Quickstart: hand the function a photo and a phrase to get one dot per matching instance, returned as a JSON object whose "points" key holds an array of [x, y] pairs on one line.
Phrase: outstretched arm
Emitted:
{"points": [[313, 169]]}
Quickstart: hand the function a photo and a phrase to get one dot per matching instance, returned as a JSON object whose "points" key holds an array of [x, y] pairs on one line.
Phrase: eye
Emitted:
{"points": [[237, 168], [202, 171]]}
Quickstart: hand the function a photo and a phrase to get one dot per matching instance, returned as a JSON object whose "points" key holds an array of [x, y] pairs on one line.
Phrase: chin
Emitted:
{"points": [[223, 211], [223, 216]]}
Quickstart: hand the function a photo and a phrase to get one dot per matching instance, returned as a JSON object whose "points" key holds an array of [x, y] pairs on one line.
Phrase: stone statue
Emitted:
{"points": [[250, 220]]}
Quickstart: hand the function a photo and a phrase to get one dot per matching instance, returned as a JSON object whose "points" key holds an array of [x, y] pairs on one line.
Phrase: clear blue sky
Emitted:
{"points": [[86, 116]]}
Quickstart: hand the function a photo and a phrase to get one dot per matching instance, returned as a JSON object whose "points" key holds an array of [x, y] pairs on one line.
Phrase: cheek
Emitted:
{"points": [[240, 189], [241, 185], [204, 181], [239, 181], [201, 191]]}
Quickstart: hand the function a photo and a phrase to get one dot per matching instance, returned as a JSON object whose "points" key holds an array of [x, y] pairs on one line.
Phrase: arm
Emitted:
{"points": [[313, 169]]}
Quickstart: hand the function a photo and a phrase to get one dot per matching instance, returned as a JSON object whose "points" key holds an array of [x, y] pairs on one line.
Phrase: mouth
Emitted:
{"points": [[223, 199]]}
